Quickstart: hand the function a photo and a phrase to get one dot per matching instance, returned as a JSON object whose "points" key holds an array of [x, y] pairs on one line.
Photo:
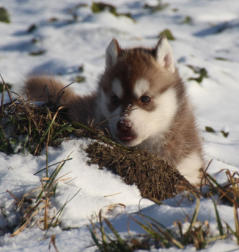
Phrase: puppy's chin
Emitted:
{"points": [[127, 138], [129, 142]]}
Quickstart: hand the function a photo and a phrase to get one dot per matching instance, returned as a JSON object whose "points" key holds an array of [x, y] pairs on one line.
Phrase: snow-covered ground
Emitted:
{"points": [[206, 35]]}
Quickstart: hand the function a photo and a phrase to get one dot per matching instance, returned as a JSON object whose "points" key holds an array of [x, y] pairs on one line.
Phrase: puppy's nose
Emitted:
{"points": [[124, 125]]}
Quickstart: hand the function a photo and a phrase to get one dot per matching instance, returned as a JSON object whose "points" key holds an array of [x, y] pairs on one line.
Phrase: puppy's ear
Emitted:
{"points": [[112, 53], [164, 54]]}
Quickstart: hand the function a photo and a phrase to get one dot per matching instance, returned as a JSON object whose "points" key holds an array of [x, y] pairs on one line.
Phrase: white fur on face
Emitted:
{"points": [[141, 87], [189, 167], [113, 120], [117, 88], [149, 123], [111, 117], [102, 101]]}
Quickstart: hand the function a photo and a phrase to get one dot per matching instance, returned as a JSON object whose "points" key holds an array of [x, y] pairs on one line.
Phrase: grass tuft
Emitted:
{"points": [[36, 206], [198, 233], [184, 233], [111, 241], [26, 127]]}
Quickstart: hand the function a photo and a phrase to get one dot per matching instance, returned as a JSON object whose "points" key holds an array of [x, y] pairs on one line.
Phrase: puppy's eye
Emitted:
{"points": [[145, 99], [115, 100]]}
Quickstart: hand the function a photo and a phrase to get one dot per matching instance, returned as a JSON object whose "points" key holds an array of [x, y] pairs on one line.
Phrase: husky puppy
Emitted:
{"points": [[141, 100]]}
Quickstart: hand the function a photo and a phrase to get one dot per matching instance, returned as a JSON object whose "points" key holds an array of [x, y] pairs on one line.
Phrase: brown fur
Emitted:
{"points": [[49, 90], [181, 139]]}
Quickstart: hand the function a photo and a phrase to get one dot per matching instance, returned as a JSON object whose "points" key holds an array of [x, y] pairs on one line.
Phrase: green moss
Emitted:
{"points": [[100, 7], [201, 71], [168, 34], [187, 20], [224, 133], [38, 52], [221, 58], [158, 7], [4, 15], [210, 129]]}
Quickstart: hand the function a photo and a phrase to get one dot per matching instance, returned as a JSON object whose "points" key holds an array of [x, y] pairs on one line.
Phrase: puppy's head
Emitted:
{"points": [[137, 92]]}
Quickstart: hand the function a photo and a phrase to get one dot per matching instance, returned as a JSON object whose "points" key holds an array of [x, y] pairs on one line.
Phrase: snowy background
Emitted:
{"points": [[65, 36]]}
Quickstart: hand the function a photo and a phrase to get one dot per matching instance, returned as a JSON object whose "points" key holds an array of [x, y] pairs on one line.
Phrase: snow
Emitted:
{"points": [[212, 34]]}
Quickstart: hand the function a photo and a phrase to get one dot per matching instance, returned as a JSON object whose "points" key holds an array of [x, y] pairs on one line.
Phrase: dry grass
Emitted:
{"points": [[198, 233], [154, 177], [36, 206], [27, 127]]}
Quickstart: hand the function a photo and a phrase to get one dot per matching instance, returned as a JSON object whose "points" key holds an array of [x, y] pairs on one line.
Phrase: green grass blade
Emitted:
{"points": [[116, 234], [50, 126], [195, 216], [218, 218]]}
